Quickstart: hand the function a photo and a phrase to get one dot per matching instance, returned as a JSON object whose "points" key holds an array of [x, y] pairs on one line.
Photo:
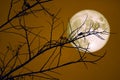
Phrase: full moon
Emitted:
{"points": [[92, 22]]}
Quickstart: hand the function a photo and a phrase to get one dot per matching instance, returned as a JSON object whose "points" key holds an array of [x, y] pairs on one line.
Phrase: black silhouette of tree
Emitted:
{"points": [[33, 43]]}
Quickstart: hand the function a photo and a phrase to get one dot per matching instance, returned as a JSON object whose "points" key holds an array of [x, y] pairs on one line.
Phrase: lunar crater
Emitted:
{"points": [[88, 21]]}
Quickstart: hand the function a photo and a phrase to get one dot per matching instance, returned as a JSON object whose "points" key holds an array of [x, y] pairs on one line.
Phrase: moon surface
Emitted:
{"points": [[89, 21]]}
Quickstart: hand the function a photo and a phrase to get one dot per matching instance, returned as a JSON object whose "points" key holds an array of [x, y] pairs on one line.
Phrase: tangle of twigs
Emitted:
{"points": [[9, 67]]}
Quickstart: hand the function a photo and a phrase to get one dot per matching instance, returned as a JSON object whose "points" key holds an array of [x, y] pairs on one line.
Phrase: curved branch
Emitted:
{"points": [[21, 12]]}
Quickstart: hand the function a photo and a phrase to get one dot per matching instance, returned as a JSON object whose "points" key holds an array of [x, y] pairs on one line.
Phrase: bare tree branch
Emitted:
{"points": [[21, 12], [30, 51]]}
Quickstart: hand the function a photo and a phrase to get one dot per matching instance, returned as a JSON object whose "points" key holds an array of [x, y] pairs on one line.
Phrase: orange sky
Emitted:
{"points": [[109, 67]]}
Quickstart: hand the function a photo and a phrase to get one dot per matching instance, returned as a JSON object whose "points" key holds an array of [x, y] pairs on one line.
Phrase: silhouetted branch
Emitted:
{"points": [[12, 61], [62, 65], [22, 12]]}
